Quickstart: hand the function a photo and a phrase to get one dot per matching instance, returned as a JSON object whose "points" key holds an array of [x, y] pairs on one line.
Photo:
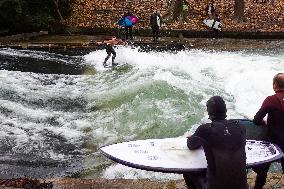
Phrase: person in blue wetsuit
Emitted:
{"points": [[273, 107], [224, 143]]}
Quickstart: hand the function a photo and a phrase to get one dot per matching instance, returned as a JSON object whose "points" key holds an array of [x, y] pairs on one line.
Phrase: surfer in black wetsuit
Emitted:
{"points": [[223, 142], [109, 44], [273, 107]]}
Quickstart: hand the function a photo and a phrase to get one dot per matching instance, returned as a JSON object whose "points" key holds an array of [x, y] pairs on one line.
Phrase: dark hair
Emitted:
{"points": [[279, 80], [216, 108]]}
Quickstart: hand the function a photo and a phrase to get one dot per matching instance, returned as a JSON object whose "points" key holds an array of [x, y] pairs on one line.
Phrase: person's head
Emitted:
{"points": [[127, 13], [216, 108], [278, 82]]}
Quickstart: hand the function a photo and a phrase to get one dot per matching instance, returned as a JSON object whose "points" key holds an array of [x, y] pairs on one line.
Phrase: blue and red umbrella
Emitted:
{"points": [[128, 21]]}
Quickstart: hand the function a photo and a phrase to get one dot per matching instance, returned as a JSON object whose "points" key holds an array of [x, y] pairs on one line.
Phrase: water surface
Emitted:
{"points": [[56, 110]]}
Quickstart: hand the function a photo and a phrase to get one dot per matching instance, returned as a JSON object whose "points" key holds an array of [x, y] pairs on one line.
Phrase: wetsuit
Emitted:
{"points": [[109, 50], [223, 142], [274, 107]]}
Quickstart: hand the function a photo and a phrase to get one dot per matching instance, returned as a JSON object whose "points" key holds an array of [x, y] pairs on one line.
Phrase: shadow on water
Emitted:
{"points": [[46, 63]]}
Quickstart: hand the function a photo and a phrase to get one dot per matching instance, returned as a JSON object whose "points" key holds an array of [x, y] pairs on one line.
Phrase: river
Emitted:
{"points": [[56, 110]]}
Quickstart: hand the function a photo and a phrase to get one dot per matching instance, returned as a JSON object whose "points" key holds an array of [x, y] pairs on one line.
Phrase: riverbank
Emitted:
{"points": [[83, 44], [258, 17], [274, 181]]}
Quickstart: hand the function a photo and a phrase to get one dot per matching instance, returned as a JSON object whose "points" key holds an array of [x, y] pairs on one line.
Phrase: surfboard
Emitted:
{"points": [[253, 132], [209, 23], [116, 66], [171, 155]]}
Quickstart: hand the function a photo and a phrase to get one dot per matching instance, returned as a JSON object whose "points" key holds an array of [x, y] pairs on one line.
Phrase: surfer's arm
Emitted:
{"points": [[102, 42], [265, 108], [121, 42], [193, 142], [258, 118]]}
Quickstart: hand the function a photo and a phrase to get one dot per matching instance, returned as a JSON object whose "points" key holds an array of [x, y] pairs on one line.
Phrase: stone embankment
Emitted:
{"points": [[274, 181]]}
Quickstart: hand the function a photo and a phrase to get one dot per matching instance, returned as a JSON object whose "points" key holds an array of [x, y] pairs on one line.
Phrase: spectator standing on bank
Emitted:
{"points": [[156, 24], [210, 10], [128, 29]]}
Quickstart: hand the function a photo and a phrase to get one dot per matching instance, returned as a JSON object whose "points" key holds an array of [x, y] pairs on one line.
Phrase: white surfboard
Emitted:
{"points": [[171, 155], [209, 23], [117, 66]]}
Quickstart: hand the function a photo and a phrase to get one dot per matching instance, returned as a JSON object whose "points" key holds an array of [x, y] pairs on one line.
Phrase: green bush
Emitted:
{"points": [[30, 15]]}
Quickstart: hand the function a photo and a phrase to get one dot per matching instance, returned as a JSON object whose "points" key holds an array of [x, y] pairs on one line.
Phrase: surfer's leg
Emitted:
{"points": [[113, 58], [282, 164], [126, 32], [195, 180], [154, 33], [157, 33], [108, 55], [261, 176], [130, 33], [188, 181]]}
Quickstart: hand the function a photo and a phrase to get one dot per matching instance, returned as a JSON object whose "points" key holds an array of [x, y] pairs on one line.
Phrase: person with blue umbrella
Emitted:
{"points": [[128, 25]]}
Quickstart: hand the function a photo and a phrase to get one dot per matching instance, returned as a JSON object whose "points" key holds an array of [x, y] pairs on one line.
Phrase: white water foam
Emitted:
{"points": [[243, 79]]}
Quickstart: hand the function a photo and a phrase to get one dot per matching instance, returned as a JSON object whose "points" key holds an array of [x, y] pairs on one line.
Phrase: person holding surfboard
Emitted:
{"points": [[273, 107], [156, 24], [210, 10], [224, 143], [109, 44]]}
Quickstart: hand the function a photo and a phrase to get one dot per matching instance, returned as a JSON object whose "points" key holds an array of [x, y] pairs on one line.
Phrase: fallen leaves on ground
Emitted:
{"points": [[263, 17]]}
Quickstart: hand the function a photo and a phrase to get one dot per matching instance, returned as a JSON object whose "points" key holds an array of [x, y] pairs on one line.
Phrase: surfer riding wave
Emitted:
{"points": [[109, 46]]}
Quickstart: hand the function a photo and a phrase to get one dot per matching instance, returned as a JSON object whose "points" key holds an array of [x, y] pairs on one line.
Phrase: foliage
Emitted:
{"points": [[260, 16], [30, 15]]}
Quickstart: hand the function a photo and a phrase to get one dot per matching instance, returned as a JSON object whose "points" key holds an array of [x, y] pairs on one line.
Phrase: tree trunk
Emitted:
{"points": [[239, 10], [177, 9], [168, 16], [55, 2]]}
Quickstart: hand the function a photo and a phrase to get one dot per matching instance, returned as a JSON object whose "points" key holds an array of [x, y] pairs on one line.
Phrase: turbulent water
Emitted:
{"points": [[57, 110]]}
